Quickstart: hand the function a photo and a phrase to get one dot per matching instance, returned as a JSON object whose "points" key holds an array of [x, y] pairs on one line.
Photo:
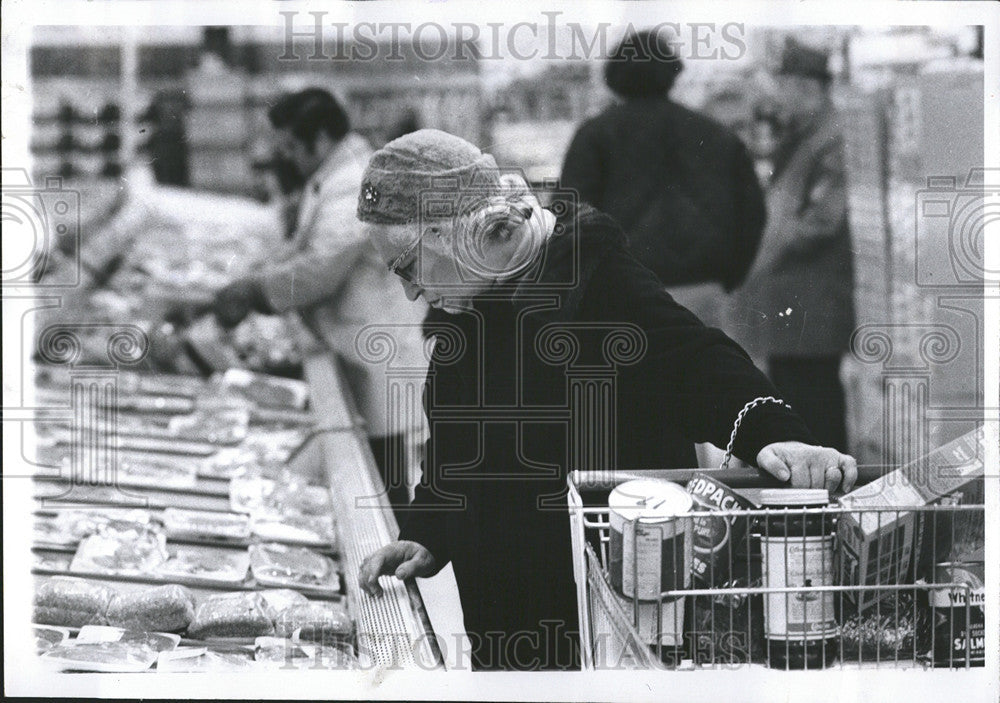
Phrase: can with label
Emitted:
{"points": [[718, 542], [958, 614], [650, 538], [797, 550]]}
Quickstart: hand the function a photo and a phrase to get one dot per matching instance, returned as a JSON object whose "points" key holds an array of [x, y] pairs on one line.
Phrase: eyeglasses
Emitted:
{"points": [[405, 272]]}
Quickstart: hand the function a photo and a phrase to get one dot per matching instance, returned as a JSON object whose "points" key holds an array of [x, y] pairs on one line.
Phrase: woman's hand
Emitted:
{"points": [[806, 466], [404, 559]]}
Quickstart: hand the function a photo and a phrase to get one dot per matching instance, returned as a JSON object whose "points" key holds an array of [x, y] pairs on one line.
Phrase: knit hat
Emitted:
{"points": [[801, 60], [427, 173]]}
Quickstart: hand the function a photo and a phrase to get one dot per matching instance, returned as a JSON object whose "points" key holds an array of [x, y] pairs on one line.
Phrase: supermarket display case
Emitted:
{"points": [[161, 479]]}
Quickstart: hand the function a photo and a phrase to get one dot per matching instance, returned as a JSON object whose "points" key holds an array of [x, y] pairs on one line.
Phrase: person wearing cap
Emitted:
{"points": [[523, 296], [795, 313], [332, 276], [682, 186]]}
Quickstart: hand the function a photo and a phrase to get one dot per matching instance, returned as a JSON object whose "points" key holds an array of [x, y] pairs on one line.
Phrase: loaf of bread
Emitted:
{"points": [[72, 603], [316, 622], [242, 614], [156, 609]]}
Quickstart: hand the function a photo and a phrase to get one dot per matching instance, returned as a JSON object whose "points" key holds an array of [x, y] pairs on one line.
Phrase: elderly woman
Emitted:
{"points": [[532, 297]]}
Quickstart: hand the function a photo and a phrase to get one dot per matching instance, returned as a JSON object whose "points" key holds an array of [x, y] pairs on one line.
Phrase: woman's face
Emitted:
{"points": [[423, 258]]}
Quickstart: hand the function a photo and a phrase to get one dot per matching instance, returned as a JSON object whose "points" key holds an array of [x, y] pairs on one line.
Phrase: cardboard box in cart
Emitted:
{"points": [[877, 546]]}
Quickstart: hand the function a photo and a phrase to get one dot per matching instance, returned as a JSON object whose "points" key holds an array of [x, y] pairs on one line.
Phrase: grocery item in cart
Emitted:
{"points": [[315, 622], [650, 538], [231, 615], [717, 541], [958, 615], [205, 565], [797, 550], [69, 602], [268, 391], [167, 608], [877, 542], [296, 567], [134, 550], [307, 530], [47, 637], [204, 524], [895, 632]]}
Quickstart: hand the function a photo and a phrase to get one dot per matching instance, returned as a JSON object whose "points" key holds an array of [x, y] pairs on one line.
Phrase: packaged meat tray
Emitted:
{"points": [[167, 608], [250, 492], [228, 462], [309, 531], [293, 567], [217, 427], [315, 622], [278, 653], [67, 527], [193, 659], [45, 561], [69, 602], [156, 641], [233, 616], [279, 599], [111, 657], [206, 525], [47, 637], [205, 566], [117, 550], [264, 390]]}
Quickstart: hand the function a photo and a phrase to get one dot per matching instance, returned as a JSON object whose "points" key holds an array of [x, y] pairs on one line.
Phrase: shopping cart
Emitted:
{"points": [[721, 625]]}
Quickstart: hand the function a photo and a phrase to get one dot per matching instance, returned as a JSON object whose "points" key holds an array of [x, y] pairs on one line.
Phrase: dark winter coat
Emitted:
{"points": [[503, 431], [682, 186]]}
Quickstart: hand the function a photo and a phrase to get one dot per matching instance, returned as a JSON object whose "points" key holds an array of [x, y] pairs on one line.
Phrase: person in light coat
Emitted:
{"points": [[332, 276]]}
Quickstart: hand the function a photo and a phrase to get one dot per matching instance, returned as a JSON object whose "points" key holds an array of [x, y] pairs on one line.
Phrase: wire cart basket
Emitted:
{"points": [[911, 610]]}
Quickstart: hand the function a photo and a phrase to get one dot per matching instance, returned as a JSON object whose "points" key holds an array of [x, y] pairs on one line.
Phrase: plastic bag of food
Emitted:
{"points": [[100, 657], [72, 603], [157, 641], [206, 564], [312, 530], [315, 622], [297, 567], [203, 524], [121, 549], [158, 609], [48, 637], [279, 599], [240, 615]]}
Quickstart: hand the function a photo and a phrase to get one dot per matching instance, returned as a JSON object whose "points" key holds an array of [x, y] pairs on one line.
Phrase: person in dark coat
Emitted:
{"points": [[682, 186], [539, 307], [795, 311]]}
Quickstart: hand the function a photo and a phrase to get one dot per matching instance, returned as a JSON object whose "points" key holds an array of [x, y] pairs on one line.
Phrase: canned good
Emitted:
{"points": [[797, 550], [717, 541], [959, 614], [650, 538]]}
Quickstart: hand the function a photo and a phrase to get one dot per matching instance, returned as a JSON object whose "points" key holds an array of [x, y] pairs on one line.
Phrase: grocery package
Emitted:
{"points": [[50, 561], [877, 546], [205, 566], [797, 550], [100, 657], [279, 599], [67, 527], [895, 631], [958, 614], [275, 652], [157, 641], [216, 426], [724, 627], [294, 567], [288, 495], [307, 530], [204, 524], [133, 550], [167, 608], [47, 637], [267, 391], [192, 659], [315, 622], [71, 603], [231, 615]]}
